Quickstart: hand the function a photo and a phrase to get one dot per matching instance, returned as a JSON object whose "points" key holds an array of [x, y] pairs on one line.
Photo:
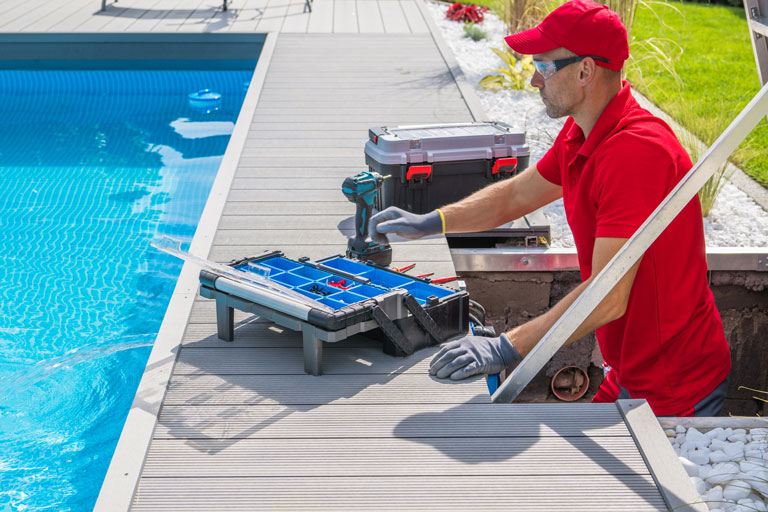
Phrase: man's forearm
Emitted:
{"points": [[526, 336], [481, 211]]}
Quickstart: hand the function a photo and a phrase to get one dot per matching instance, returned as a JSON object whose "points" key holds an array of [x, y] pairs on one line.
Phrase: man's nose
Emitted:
{"points": [[537, 80]]}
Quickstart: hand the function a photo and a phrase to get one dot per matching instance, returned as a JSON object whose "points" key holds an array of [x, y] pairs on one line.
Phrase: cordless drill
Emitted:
{"points": [[361, 189]]}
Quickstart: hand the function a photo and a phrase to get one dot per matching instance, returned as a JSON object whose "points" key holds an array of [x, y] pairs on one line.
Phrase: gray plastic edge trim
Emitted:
{"points": [[734, 259], [667, 471], [124, 472]]}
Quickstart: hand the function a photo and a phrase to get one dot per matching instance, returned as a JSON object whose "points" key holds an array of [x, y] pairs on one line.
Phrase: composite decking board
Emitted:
{"points": [[345, 17], [369, 17], [309, 236], [370, 421], [394, 456], [296, 18], [403, 388], [523, 493], [320, 20], [337, 360], [413, 16], [273, 17], [409, 252]]}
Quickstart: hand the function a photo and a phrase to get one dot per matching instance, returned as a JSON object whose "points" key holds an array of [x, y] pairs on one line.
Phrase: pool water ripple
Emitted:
{"points": [[92, 168]]}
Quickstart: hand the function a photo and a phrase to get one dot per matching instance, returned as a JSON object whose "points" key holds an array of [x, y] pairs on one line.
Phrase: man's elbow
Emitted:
{"points": [[616, 306]]}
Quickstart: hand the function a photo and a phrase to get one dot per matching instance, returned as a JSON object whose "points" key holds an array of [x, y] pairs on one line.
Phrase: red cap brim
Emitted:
{"points": [[531, 42]]}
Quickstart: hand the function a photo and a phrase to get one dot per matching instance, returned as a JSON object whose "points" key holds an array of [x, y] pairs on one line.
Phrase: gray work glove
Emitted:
{"points": [[470, 355], [404, 224]]}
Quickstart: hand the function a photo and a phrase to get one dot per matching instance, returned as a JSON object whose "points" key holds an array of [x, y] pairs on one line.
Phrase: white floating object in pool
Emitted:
{"points": [[205, 99]]}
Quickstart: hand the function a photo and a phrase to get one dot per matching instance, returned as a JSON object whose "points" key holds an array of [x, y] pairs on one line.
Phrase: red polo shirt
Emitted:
{"points": [[669, 347]]}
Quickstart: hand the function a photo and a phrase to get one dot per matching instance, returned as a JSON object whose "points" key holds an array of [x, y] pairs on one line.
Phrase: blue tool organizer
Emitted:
{"points": [[362, 281], [406, 313]]}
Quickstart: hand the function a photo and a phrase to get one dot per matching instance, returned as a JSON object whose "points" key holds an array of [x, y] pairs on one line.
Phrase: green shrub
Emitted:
{"points": [[516, 74], [474, 32]]}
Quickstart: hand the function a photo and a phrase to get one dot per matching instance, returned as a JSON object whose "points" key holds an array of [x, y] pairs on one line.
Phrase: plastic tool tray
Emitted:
{"points": [[406, 312]]}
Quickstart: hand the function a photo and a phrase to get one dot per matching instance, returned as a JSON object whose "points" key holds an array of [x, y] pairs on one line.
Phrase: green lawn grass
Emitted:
{"points": [[717, 73]]}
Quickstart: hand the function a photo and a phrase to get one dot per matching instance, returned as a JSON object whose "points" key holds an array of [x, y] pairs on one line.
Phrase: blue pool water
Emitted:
{"points": [[93, 165]]}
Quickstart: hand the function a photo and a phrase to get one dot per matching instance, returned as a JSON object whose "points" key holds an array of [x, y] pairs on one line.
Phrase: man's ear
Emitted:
{"points": [[587, 71]]}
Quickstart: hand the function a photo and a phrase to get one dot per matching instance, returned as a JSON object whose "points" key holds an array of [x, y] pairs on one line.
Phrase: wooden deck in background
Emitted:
{"points": [[327, 16]]}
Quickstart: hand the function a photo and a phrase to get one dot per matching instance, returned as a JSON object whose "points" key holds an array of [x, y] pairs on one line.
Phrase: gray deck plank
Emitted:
{"points": [[248, 18], [273, 17], [402, 388], [394, 17], [419, 253], [321, 18], [414, 17], [345, 17], [393, 456], [369, 17], [296, 18], [635, 493], [371, 421], [338, 360]]}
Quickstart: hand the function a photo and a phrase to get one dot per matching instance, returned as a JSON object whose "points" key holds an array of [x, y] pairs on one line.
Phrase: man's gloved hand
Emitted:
{"points": [[470, 355], [404, 224]]}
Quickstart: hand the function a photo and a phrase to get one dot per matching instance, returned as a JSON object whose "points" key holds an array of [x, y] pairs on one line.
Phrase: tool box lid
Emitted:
{"points": [[432, 143]]}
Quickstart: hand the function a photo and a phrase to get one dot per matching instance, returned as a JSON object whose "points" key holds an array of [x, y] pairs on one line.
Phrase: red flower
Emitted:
{"points": [[465, 13]]}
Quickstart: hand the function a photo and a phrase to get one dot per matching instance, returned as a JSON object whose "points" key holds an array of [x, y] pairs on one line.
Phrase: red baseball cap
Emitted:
{"points": [[581, 26]]}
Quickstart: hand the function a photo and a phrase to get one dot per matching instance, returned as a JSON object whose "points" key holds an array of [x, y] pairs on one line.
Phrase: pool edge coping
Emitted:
{"points": [[121, 481]]}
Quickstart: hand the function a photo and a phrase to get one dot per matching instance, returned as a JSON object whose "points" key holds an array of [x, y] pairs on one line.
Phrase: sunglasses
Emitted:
{"points": [[549, 67]]}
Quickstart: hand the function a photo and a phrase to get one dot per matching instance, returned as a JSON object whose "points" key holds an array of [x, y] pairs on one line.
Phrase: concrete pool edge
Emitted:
{"points": [[123, 474]]}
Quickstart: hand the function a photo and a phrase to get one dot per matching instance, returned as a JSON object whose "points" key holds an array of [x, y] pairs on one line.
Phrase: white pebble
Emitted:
{"points": [[722, 473], [697, 438], [681, 429], [699, 457], [718, 444], [718, 456], [680, 439], [688, 446], [716, 433], [714, 495], [690, 468], [735, 451], [736, 490], [670, 432], [738, 437], [700, 485]]}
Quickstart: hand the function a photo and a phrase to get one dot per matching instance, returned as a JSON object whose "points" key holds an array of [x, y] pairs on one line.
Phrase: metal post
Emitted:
{"points": [[635, 247], [756, 10], [313, 350], [225, 319]]}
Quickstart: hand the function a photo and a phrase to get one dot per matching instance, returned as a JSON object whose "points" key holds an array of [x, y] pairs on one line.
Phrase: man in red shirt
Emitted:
{"points": [[612, 163]]}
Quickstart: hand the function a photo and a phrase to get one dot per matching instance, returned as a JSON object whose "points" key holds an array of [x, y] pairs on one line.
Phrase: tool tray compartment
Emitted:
{"points": [[434, 165]]}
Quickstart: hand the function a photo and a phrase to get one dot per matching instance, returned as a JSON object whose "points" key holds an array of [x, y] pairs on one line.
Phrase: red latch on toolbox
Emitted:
{"points": [[418, 172], [504, 165]]}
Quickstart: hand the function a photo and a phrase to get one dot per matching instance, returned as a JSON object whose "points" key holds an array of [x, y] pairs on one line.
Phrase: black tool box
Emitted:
{"points": [[430, 166]]}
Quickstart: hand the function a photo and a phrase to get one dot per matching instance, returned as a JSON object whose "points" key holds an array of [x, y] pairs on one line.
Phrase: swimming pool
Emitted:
{"points": [[93, 165]]}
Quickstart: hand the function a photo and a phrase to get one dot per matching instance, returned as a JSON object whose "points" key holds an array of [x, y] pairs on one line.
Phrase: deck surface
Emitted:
{"points": [[327, 16], [243, 427]]}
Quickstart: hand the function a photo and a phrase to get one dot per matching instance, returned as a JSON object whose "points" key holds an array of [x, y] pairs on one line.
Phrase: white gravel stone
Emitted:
{"points": [[697, 438], [699, 484], [691, 468], [680, 429], [699, 457], [736, 220], [736, 490]]}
